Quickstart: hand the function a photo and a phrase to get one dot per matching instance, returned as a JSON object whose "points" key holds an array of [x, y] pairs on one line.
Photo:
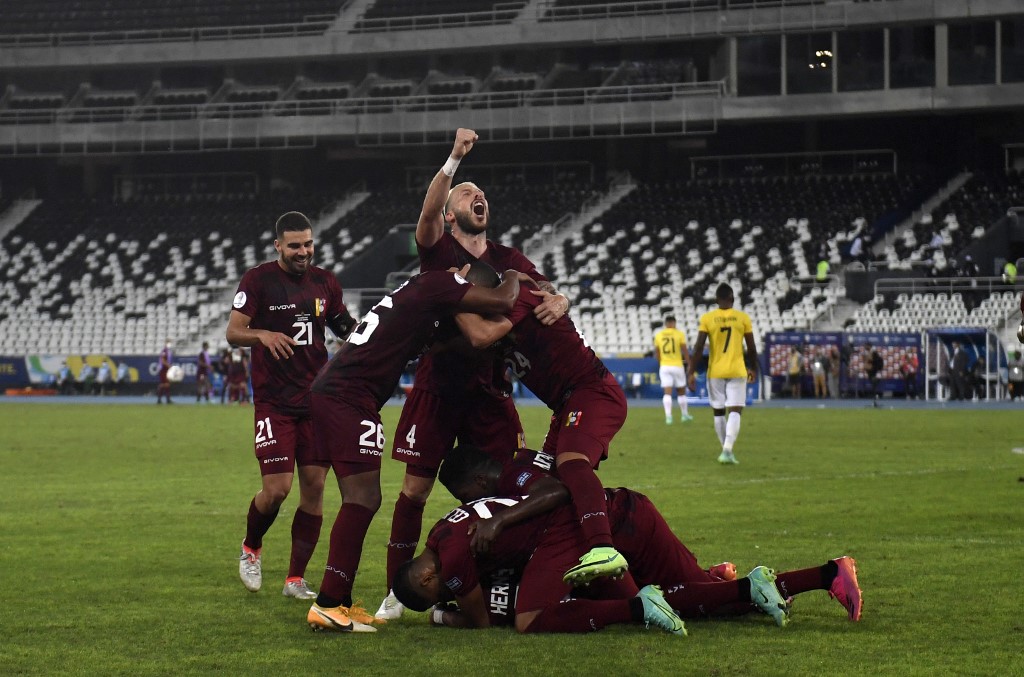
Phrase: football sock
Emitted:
{"points": [[666, 402], [732, 430], [801, 580], [406, 526], [347, 536], [683, 406], [720, 428], [589, 499], [305, 535], [699, 600], [586, 615], [257, 524]]}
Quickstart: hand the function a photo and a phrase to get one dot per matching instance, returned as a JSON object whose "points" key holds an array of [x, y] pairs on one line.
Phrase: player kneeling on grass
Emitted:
{"points": [[639, 531]]}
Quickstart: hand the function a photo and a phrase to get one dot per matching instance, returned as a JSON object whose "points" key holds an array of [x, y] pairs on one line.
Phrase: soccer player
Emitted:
{"points": [[281, 310], [540, 548], [588, 408], [670, 349], [204, 365], [728, 375], [454, 397], [347, 396], [658, 556], [163, 388]]}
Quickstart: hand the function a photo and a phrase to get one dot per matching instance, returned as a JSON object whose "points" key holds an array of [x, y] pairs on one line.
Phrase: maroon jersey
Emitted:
{"points": [[449, 538], [549, 360], [527, 467], [203, 363], [297, 306], [449, 373], [400, 327]]}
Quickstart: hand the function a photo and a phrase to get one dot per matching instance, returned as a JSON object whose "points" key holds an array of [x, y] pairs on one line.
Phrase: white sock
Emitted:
{"points": [[666, 401], [720, 428], [683, 407], [732, 430]]}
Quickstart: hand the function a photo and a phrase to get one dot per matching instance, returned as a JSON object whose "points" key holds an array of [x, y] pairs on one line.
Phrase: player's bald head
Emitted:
{"points": [[483, 275], [407, 583]]}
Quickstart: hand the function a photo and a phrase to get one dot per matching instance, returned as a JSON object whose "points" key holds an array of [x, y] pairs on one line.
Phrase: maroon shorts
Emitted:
{"points": [[588, 420], [162, 375], [349, 438], [282, 440], [655, 554], [430, 424]]}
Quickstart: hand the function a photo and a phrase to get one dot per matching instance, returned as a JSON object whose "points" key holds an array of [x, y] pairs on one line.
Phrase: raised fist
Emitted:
{"points": [[464, 140]]}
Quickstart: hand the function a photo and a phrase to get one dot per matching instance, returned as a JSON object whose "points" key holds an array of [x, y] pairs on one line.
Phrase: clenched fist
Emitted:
{"points": [[464, 140]]}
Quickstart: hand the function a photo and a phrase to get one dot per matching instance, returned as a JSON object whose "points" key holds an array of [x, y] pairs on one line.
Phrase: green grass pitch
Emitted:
{"points": [[120, 525]]}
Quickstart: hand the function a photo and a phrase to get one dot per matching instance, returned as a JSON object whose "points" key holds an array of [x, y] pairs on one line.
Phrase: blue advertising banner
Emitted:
{"points": [[12, 372], [843, 358], [42, 370], [638, 377]]}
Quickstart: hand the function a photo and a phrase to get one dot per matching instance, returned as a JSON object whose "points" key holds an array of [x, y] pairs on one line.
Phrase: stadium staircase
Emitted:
{"points": [[15, 214]]}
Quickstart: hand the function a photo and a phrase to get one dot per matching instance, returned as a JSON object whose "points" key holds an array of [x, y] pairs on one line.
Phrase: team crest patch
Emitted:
{"points": [[454, 583], [521, 480], [239, 300], [319, 307], [573, 419]]}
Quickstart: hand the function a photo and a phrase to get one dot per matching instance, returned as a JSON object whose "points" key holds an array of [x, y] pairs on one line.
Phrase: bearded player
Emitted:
{"points": [[455, 396], [281, 310]]}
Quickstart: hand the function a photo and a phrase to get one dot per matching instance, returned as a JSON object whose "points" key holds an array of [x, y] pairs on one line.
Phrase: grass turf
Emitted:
{"points": [[120, 527]]}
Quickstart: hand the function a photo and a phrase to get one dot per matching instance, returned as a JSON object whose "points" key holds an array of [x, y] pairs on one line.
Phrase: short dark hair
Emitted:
{"points": [[405, 589], [723, 292], [461, 464], [482, 274], [670, 318], [291, 222]]}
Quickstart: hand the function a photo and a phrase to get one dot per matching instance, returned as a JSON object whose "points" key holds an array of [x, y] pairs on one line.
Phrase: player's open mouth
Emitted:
{"points": [[479, 208]]}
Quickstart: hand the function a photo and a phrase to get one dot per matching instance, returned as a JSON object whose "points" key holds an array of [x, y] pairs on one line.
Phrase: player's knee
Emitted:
{"points": [[736, 410], [524, 620], [718, 412]]}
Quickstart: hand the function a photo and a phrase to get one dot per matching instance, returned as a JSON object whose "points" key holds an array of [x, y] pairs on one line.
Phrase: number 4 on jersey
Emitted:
{"points": [[410, 439]]}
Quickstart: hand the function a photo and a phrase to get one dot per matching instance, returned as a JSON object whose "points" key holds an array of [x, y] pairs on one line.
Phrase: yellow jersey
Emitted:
{"points": [[725, 330], [670, 347]]}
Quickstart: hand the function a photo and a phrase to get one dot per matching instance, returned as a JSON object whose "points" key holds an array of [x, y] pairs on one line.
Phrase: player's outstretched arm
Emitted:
{"points": [[239, 333], [430, 226], [473, 609]]}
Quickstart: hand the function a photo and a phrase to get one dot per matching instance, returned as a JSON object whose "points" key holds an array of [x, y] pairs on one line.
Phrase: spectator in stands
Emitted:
{"points": [[819, 370], [908, 370], [102, 378], [968, 268], [875, 365], [65, 379], [1010, 272], [204, 366], [795, 373], [834, 368], [1015, 376], [163, 387], [958, 384], [670, 349], [823, 267]]}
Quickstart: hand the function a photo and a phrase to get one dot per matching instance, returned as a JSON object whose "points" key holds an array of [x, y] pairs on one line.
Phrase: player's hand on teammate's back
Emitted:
{"points": [[482, 534], [279, 345], [552, 308], [464, 140]]}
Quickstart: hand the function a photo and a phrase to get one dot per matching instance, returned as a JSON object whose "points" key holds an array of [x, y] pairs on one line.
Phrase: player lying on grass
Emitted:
{"points": [[639, 531]]}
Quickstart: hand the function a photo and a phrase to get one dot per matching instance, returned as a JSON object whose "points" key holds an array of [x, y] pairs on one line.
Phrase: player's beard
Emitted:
{"points": [[467, 224], [295, 269]]}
